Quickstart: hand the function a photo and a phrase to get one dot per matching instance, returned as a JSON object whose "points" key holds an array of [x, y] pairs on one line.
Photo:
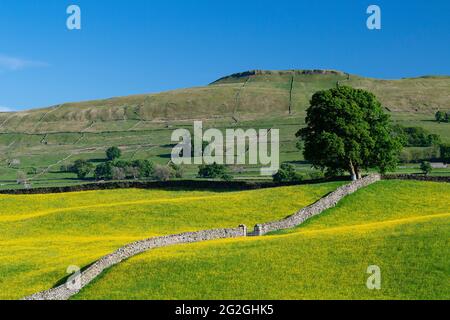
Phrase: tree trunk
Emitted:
{"points": [[358, 173], [353, 171]]}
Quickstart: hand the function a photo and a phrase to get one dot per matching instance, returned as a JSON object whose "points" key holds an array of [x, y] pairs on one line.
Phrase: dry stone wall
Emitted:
{"points": [[325, 203], [417, 177], [65, 291], [171, 184]]}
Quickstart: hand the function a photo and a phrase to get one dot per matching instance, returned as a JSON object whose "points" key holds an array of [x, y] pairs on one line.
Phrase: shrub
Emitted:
{"points": [[113, 153], [287, 173], [416, 136], [144, 168], [441, 116], [178, 171], [315, 175], [445, 152], [162, 173], [81, 168], [118, 173], [212, 171], [227, 177], [132, 172], [426, 168], [104, 171]]}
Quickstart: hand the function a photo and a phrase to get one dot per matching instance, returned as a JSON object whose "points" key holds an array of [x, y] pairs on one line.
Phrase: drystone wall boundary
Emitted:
{"points": [[77, 282], [323, 204]]}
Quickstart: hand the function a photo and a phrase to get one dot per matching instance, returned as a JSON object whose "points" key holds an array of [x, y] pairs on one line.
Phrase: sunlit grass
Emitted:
{"points": [[41, 235], [400, 226]]}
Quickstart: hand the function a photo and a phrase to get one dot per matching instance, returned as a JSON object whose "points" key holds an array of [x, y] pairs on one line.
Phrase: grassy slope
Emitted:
{"points": [[44, 234], [400, 226], [142, 125], [261, 95]]}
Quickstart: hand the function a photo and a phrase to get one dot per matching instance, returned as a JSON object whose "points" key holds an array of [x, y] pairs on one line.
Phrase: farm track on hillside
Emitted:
{"points": [[238, 97]]}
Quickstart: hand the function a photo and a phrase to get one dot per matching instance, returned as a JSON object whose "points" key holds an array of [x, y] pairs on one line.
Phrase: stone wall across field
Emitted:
{"points": [[417, 177], [173, 184], [323, 204], [65, 291], [77, 282]]}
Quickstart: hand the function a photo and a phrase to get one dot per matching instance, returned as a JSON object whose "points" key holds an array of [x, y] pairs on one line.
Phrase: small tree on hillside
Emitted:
{"points": [[82, 168], [287, 173], [178, 170], [347, 130], [144, 167], [445, 152], [104, 171], [162, 173], [440, 116], [426, 168], [213, 171], [113, 153]]}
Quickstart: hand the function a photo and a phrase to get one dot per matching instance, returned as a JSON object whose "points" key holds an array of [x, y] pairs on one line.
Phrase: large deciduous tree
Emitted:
{"points": [[347, 130]]}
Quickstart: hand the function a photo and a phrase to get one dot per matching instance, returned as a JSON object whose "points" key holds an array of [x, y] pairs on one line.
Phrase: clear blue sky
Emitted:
{"points": [[141, 46]]}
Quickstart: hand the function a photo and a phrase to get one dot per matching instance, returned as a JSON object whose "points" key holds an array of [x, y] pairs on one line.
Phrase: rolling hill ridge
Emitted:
{"points": [[250, 95]]}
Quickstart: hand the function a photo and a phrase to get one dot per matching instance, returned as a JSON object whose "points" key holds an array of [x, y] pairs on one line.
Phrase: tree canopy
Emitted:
{"points": [[113, 153], [347, 130]]}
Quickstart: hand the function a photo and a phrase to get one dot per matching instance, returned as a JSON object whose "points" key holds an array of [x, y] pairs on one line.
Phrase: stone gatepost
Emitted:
{"points": [[243, 227], [258, 230]]}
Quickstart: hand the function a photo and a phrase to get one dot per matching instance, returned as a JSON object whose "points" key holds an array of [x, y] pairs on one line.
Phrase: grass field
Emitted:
{"points": [[400, 226], [41, 235]]}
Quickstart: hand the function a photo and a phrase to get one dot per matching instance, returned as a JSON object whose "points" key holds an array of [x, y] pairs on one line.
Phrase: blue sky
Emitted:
{"points": [[142, 46]]}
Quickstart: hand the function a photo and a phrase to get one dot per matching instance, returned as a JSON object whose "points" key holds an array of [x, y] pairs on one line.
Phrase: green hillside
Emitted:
{"points": [[244, 96], [40, 141]]}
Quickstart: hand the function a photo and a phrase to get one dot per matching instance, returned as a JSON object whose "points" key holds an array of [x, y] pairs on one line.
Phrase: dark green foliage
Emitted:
{"points": [[441, 116], [445, 152], [416, 137], [348, 130], [121, 169], [104, 171], [81, 168], [145, 168], [212, 171], [113, 153], [416, 155], [287, 173], [315, 175], [426, 168]]}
